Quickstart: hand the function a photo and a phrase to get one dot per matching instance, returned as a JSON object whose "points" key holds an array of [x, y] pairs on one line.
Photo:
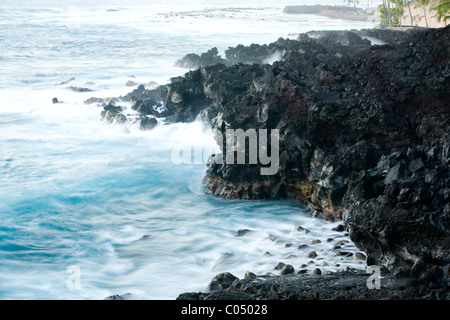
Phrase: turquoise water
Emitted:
{"points": [[106, 200]]}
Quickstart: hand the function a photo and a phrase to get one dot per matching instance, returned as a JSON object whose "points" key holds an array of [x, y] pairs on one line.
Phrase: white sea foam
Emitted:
{"points": [[277, 56]]}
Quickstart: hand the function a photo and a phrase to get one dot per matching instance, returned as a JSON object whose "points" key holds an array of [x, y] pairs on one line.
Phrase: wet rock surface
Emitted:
{"points": [[345, 285], [221, 282], [113, 114]]}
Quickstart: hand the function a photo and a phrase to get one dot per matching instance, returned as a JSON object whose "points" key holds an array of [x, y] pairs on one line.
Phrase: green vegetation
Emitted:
{"points": [[423, 4], [443, 10]]}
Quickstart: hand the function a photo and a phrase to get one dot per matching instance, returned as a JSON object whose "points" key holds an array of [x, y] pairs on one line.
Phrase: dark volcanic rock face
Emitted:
{"points": [[193, 60], [364, 133]]}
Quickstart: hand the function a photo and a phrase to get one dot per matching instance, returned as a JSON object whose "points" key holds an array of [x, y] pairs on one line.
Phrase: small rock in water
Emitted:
{"points": [[78, 89], [223, 259], [302, 246], [316, 241], [221, 281], [152, 84], [316, 271], [148, 123], [120, 118], [343, 253], [67, 81], [108, 100], [249, 274], [242, 232], [287, 269], [312, 254], [339, 228], [360, 256], [302, 271], [131, 83], [125, 296], [288, 245], [280, 266], [111, 113], [55, 100], [301, 229], [341, 242]]}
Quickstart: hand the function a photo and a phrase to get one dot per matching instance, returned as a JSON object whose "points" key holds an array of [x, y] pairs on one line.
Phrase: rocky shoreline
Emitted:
{"points": [[344, 285], [364, 137]]}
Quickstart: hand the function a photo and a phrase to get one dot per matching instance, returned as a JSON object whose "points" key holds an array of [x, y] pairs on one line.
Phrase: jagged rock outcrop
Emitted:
{"points": [[269, 53], [255, 53], [193, 60], [364, 134], [113, 114]]}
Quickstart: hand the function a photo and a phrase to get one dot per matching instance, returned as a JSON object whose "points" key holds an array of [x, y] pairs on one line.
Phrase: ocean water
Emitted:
{"points": [[89, 209]]}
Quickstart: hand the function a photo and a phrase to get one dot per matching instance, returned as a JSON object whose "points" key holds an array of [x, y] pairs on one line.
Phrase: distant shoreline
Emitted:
{"points": [[352, 16], [332, 12]]}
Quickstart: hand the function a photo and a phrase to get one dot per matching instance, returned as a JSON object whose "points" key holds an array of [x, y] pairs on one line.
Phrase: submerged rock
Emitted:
{"points": [[112, 114], [287, 269], [79, 89], [100, 101], [280, 266], [339, 228], [148, 123], [242, 232], [360, 256], [131, 83], [126, 296]]}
